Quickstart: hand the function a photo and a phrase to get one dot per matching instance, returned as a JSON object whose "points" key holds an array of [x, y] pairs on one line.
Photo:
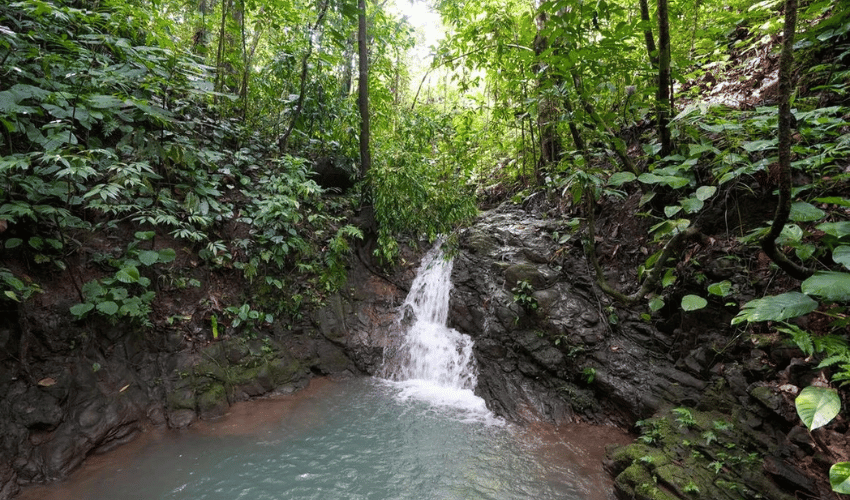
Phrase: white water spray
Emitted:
{"points": [[433, 362]]}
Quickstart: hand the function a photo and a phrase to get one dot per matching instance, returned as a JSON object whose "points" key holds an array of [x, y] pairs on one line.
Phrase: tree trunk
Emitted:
{"points": [[284, 141], [647, 33], [663, 100], [363, 89], [783, 209], [551, 147]]}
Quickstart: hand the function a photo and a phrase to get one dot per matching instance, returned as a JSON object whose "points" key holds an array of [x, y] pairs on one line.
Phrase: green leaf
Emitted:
{"points": [[672, 210], [816, 406], [80, 309], [837, 229], [705, 192], [108, 307], [167, 255], [128, 274], [12, 295], [13, 242], [839, 478], [621, 178], [776, 308], [144, 235], [841, 255], [692, 205], [805, 212], [693, 302], [148, 257], [656, 303], [829, 285], [668, 279], [673, 181], [720, 289], [760, 145]]}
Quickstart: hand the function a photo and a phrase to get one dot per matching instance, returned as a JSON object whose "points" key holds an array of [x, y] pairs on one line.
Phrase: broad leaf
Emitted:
{"points": [[721, 289], [805, 212], [829, 285], [148, 257], [837, 229], [80, 309], [167, 255], [693, 302], [128, 274], [776, 308], [656, 303], [839, 477], [816, 406], [705, 192], [108, 307], [841, 255], [621, 178]]}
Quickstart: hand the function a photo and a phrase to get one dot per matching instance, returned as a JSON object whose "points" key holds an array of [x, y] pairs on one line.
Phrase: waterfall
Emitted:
{"points": [[434, 361]]}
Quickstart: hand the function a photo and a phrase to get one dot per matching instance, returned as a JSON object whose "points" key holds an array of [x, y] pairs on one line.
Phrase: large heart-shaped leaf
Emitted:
{"points": [[816, 406], [839, 477]]}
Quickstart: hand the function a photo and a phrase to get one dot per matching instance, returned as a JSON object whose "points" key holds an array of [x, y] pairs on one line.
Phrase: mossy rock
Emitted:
{"points": [[213, 402], [285, 371], [181, 399]]}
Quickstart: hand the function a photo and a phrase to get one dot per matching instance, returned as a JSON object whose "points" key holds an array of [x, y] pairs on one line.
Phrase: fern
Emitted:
{"points": [[802, 338]]}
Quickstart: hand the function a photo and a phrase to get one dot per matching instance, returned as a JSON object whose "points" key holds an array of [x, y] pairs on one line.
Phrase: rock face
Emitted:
{"points": [[545, 340], [550, 345], [91, 387]]}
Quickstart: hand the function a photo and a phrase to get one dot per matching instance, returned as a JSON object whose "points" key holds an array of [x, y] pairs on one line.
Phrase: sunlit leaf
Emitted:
{"points": [[705, 192], [721, 289], [693, 302], [839, 477], [817, 406]]}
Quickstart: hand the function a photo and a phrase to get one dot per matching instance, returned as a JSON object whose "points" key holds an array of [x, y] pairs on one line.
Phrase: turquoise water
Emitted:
{"points": [[355, 439]]}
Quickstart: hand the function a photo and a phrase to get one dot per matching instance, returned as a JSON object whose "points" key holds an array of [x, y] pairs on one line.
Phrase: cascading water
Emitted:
{"points": [[433, 362]]}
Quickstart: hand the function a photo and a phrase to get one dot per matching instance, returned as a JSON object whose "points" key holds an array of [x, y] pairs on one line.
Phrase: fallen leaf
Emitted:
{"points": [[47, 382]]}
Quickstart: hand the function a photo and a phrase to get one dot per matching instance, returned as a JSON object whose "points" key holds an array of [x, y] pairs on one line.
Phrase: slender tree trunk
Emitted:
{"points": [[647, 33], [363, 89], [551, 146], [783, 209], [219, 57], [284, 141], [664, 99], [348, 70], [616, 143]]}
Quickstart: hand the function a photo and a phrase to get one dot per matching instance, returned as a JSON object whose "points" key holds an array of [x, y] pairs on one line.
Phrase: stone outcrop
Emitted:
{"points": [[550, 345]]}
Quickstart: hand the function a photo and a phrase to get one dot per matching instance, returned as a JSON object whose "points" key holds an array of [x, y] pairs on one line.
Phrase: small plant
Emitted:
{"points": [[523, 296], [691, 487], [214, 326], [684, 417], [589, 374], [244, 314]]}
